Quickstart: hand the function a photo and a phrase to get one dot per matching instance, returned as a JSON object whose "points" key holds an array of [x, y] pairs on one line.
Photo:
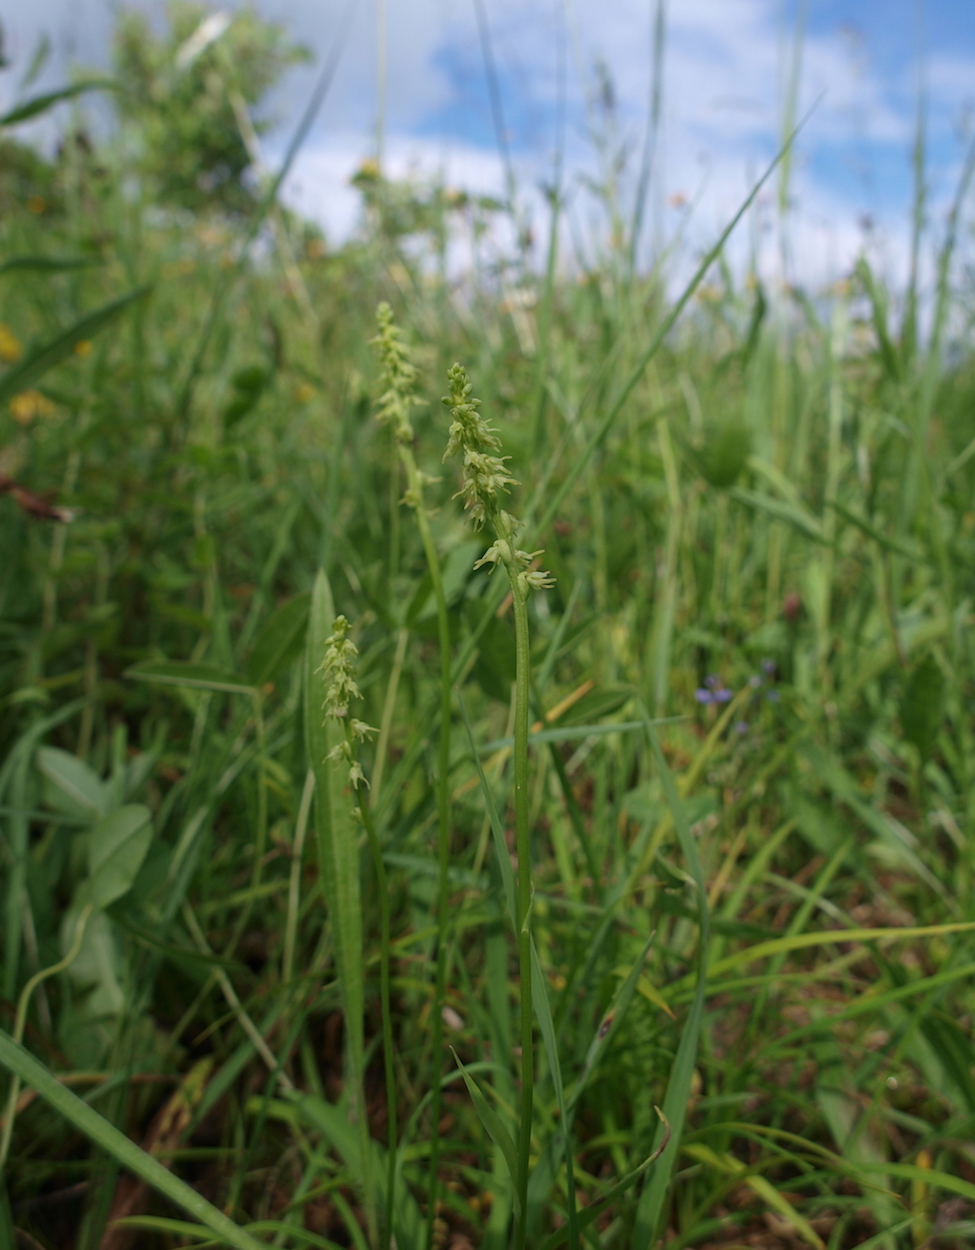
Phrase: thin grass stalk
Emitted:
{"points": [[668, 587], [16, 900], [497, 114], [651, 138], [294, 880], [835, 407], [544, 325], [389, 708], [790, 102], [909, 329], [443, 856]]}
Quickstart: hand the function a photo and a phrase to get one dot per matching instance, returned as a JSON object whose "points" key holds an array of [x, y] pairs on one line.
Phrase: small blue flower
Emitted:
{"points": [[741, 726], [713, 691]]}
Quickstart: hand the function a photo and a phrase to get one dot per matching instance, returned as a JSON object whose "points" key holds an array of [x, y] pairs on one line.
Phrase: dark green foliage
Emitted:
{"points": [[722, 457], [922, 706], [248, 384]]}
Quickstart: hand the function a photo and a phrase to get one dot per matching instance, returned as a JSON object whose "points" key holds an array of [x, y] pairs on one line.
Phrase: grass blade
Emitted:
{"points": [[43, 358], [39, 104], [107, 1136], [493, 1127]]}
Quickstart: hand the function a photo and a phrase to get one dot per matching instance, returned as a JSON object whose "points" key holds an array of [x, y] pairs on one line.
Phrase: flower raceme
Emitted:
{"points": [[399, 376], [485, 479], [338, 672]]}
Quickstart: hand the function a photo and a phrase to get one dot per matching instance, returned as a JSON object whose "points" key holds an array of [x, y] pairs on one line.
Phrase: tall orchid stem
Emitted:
{"points": [[519, 596]]}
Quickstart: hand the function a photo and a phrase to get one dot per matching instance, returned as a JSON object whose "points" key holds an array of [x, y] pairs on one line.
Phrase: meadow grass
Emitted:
{"points": [[645, 912]]}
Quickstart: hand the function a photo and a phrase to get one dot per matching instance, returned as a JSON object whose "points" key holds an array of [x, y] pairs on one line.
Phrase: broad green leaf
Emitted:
{"points": [[105, 1135], [37, 363], [193, 676], [280, 640], [338, 843], [457, 570], [494, 668], [97, 970], [73, 787], [727, 446], [41, 103], [117, 845]]}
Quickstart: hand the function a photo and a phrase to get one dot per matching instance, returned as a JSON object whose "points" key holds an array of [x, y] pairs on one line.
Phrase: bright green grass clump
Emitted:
{"points": [[692, 829]]}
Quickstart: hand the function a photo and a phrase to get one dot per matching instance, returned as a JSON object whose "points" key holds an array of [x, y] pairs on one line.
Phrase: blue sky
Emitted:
{"points": [[725, 67]]}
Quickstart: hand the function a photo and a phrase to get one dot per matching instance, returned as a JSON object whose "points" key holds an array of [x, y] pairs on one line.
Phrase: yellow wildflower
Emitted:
{"points": [[28, 405], [10, 348]]}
